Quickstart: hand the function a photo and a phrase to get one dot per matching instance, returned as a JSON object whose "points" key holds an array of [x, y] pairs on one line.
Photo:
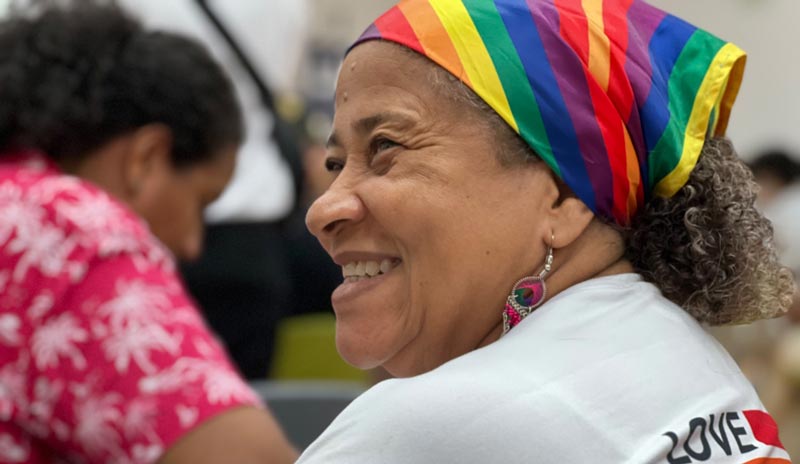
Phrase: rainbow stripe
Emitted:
{"points": [[616, 96]]}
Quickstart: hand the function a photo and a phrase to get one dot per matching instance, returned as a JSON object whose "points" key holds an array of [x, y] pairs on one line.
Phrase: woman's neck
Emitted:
{"points": [[599, 252]]}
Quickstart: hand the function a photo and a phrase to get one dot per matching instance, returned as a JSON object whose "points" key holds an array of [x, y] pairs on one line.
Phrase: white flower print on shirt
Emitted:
{"points": [[41, 305], [11, 451], [134, 343], [9, 329], [93, 213], [17, 213], [140, 419], [136, 302], [95, 417], [13, 388], [117, 244], [47, 392], [146, 453], [221, 385], [47, 249], [49, 188], [187, 416], [57, 338]]}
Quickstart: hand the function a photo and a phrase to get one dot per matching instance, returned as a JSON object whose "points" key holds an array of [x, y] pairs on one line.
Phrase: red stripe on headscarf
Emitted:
{"points": [[620, 91], [619, 87], [574, 27], [394, 26], [614, 137]]}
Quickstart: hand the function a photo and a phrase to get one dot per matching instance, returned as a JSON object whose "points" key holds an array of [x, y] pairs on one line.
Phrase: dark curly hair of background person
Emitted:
{"points": [[85, 73]]}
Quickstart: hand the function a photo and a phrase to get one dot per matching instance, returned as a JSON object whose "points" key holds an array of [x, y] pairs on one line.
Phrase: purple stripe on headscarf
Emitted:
{"points": [[643, 21], [371, 33], [571, 76]]}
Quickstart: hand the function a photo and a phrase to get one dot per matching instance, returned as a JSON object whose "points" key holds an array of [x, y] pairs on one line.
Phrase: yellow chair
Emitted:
{"points": [[305, 349]]}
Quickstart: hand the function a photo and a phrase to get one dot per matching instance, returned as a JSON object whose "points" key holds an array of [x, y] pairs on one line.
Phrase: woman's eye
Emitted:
{"points": [[333, 165], [382, 144]]}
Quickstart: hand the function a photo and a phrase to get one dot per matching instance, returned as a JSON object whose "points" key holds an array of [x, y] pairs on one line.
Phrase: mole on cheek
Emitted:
{"points": [[344, 97]]}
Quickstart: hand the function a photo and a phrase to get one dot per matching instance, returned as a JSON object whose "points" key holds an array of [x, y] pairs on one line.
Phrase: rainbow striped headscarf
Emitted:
{"points": [[616, 96]]}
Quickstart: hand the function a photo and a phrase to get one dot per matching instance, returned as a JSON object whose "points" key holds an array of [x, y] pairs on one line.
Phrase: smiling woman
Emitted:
{"points": [[408, 193], [534, 212]]}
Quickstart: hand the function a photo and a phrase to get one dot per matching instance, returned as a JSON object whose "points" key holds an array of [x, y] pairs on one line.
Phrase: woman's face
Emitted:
{"points": [[421, 204], [174, 199]]}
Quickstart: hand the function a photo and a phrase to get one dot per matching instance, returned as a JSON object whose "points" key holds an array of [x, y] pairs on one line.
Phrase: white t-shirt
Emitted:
{"points": [[273, 34], [608, 371]]}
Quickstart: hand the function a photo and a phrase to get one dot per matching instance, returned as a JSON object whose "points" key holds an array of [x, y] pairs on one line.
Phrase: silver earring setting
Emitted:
{"points": [[527, 295]]}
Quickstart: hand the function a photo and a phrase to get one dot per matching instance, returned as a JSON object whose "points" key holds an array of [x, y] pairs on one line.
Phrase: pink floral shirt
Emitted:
{"points": [[103, 357]]}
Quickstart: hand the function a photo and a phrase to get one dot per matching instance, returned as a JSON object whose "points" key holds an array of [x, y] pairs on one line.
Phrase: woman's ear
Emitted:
{"points": [[569, 216], [149, 152]]}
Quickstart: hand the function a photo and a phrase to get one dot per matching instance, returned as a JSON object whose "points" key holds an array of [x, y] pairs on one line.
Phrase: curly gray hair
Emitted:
{"points": [[707, 248]]}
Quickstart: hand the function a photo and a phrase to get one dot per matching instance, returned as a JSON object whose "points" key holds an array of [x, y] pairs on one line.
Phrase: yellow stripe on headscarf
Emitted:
{"points": [[474, 56], [697, 128], [599, 43]]}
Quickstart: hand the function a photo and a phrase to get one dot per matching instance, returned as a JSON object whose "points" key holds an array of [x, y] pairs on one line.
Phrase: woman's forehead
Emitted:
{"points": [[378, 67]]}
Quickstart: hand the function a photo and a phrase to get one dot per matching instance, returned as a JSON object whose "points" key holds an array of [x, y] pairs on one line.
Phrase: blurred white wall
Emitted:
{"points": [[767, 112], [342, 21]]}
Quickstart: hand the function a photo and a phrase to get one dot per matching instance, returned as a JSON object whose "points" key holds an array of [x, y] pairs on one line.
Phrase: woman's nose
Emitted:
{"points": [[336, 208]]}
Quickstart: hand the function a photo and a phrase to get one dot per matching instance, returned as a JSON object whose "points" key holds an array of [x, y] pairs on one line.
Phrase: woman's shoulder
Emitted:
{"points": [[40, 204], [580, 362], [458, 412], [55, 229]]}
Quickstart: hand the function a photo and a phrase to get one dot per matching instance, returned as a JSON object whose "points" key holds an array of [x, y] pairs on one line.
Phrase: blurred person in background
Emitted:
{"points": [[774, 171], [535, 211], [769, 351], [113, 140], [778, 174], [245, 280]]}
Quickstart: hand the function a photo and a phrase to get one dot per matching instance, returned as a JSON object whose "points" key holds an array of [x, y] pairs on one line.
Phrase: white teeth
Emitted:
{"points": [[349, 270], [372, 268], [366, 269]]}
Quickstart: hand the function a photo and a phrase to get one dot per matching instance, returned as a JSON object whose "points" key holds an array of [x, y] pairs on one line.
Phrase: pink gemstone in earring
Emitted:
{"points": [[528, 293], [511, 316]]}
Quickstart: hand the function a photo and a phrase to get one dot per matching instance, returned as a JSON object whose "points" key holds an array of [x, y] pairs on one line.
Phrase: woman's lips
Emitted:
{"points": [[355, 286]]}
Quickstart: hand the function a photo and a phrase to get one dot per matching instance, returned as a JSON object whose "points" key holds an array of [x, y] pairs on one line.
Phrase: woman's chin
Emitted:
{"points": [[356, 356], [360, 350]]}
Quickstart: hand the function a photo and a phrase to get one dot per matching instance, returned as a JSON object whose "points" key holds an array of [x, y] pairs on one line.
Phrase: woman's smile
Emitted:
{"points": [[361, 277]]}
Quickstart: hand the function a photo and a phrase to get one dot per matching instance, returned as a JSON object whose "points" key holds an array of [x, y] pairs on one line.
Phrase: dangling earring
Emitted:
{"points": [[528, 294]]}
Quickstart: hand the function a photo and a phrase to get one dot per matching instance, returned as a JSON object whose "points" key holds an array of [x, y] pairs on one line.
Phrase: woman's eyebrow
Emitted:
{"points": [[369, 123]]}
